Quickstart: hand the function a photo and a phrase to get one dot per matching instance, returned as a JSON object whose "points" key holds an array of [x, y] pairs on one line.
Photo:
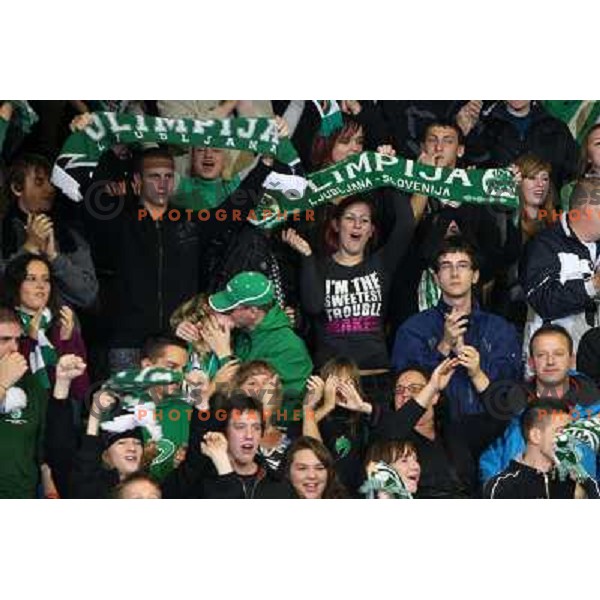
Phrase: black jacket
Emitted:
{"points": [[263, 485], [90, 478], [519, 481], [496, 141], [155, 265]]}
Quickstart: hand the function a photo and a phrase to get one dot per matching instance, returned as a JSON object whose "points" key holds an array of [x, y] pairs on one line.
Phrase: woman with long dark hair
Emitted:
{"points": [[50, 329]]}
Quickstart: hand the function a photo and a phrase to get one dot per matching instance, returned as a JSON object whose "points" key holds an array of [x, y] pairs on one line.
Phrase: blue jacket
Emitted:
{"points": [[495, 339], [509, 446]]}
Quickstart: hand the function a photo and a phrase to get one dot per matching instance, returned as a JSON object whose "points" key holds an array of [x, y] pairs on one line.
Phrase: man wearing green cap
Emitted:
{"points": [[265, 332]]}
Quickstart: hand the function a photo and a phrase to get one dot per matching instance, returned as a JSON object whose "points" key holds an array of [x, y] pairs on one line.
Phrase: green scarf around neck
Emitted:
{"points": [[44, 354], [199, 194]]}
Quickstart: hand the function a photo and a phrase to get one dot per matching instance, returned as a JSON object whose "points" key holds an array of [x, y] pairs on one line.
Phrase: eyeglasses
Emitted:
{"points": [[461, 266], [413, 388]]}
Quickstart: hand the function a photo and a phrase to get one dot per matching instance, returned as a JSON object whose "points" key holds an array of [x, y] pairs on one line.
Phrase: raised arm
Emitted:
{"points": [[312, 283], [400, 423], [404, 224]]}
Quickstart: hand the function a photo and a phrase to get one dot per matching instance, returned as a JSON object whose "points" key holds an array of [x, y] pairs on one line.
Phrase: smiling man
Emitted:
{"points": [[551, 359]]}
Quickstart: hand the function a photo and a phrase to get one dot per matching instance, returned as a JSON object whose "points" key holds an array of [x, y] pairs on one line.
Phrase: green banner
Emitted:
{"points": [[579, 115], [368, 171], [82, 150]]}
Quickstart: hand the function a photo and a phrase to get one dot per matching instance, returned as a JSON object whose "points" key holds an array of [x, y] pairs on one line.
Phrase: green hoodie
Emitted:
{"points": [[275, 342]]}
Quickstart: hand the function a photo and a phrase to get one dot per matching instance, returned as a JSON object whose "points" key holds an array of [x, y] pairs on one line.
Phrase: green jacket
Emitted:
{"points": [[275, 342], [22, 442]]}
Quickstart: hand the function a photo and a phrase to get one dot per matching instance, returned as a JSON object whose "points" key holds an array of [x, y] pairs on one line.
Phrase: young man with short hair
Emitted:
{"points": [[233, 454], [154, 261], [533, 474], [485, 344]]}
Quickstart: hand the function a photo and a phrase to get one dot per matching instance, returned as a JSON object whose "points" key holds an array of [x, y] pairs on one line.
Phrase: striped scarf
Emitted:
{"points": [[44, 354], [383, 478], [428, 293], [208, 362], [133, 383]]}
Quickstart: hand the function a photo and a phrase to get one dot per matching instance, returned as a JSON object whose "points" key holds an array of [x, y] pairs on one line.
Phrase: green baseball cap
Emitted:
{"points": [[248, 288]]}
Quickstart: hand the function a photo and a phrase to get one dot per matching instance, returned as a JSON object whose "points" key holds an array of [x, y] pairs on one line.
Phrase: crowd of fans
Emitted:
{"points": [[436, 343]]}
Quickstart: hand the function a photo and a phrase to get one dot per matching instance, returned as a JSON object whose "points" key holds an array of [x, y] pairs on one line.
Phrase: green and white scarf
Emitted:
{"points": [[199, 194], [82, 150], [383, 478], [568, 454], [331, 116], [370, 170], [209, 363], [428, 293], [579, 115], [24, 116], [141, 415], [133, 383], [43, 354], [131, 387]]}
